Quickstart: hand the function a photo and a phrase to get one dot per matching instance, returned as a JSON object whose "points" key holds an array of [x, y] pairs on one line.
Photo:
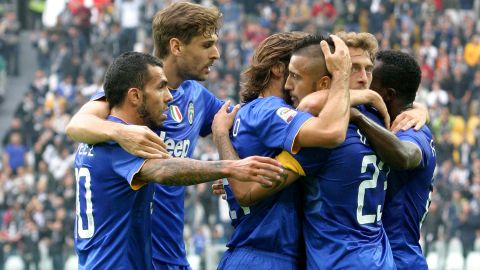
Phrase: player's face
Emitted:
{"points": [[362, 66], [197, 57], [299, 81], [155, 98]]}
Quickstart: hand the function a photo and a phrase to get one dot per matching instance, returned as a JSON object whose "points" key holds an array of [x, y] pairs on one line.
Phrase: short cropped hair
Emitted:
{"points": [[309, 47], [127, 71], [399, 71]]}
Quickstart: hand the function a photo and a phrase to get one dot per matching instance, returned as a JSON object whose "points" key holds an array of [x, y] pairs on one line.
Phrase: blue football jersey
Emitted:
{"points": [[113, 228], [265, 127], [407, 201], [344, 195], [190, 115]]}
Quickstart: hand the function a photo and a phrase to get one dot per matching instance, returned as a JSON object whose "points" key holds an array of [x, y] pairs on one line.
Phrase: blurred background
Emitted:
{"points": [[53, 56]]}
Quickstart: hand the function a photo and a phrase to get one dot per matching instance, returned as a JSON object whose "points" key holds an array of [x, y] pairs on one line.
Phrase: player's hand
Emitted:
{"points": [[141, 141], [263, 170], [416, 118], [339, 62], [217, 188], [223, 120]]}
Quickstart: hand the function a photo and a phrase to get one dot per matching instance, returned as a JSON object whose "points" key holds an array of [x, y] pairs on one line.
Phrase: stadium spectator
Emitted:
{"points": [[15, 153], [435, 20]]}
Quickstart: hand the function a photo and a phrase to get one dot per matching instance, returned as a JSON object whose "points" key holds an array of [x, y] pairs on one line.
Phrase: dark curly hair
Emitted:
{"points": [[399, 71]]}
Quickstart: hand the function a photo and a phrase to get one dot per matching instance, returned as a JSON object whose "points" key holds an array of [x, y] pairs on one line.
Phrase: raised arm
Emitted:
{"points": [[89, 125], [398, 154], [329, 128], [314, 102]]}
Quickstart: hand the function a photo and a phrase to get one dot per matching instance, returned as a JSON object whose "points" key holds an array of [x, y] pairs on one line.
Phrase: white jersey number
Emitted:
{"points": [[84, 173], [365, 184]]}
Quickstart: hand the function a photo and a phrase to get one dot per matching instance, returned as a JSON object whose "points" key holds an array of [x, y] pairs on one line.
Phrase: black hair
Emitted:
{"points": [[312, 39], [399, 71], [309, 46], [128, 70]]}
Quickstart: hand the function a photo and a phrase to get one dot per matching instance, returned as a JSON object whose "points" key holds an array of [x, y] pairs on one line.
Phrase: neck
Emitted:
{"points": [[171, 72], [127, 114], [398, 108], [274, 88]]}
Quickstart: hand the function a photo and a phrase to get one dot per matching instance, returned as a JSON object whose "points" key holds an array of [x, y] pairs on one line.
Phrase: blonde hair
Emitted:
{"points": [[182, 20], [363, 40]]}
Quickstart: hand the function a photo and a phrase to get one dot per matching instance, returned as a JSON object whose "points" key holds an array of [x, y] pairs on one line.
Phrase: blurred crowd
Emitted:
{"points": [[37, 185]]}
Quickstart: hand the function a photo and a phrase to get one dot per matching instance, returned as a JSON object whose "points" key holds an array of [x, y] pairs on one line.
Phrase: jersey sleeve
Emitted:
{"points": [[415, 137], [308, 162], [127, 165], [277, 124], [100, 94], [212, 105]]}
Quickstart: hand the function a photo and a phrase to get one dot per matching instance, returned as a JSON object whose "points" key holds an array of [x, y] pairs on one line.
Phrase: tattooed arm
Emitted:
{"points": [[184, 171]]}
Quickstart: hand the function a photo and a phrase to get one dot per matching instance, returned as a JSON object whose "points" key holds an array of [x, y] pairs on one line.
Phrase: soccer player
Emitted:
{"points": [[341, 233], [113, 196], [185, 37], [344, 193], [362, 47], [396, 77], [267, 235]]}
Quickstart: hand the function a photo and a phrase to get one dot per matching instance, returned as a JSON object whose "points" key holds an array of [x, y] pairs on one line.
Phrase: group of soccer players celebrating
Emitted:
{"points": [[313, 174]]}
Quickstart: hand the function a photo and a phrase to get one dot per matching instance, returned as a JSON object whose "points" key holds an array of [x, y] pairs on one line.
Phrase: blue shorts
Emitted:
{"points": [[167, 266], [254, 259]]}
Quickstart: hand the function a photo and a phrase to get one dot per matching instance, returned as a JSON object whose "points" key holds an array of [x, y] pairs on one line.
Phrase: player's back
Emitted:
{"points": [[113, 215], [344, 195], [265, 127], [407, 201]]}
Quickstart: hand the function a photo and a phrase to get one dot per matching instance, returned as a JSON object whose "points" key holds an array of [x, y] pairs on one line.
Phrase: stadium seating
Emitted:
{"points": [[432, 260], [72, 263], [455, 258], [14, 262], [473, 261]]}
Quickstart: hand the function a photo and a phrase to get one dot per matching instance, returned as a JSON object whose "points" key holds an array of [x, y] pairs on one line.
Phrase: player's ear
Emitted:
{"points": [[278, 70], [134, 96], [175, 46], [389, 94], [324, 83]]}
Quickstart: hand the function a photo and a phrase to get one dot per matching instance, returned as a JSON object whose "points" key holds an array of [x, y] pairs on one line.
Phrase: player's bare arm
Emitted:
{"points": [[329, 128], [89, 125], [314, 102], [398, 154], [416, 117], [184, 171]]}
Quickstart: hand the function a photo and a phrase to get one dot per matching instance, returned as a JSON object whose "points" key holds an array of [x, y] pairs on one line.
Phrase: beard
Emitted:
{"points": [[187, 73], [147, 117], [287, 97]]}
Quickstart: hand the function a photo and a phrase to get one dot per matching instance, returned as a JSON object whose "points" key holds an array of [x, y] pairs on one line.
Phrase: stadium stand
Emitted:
{"points": [[37, 186]]}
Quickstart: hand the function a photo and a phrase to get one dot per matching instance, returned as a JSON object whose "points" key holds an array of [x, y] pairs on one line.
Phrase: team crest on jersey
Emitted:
{"points": [[286, 114], [191, 112], [176, 113]]}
